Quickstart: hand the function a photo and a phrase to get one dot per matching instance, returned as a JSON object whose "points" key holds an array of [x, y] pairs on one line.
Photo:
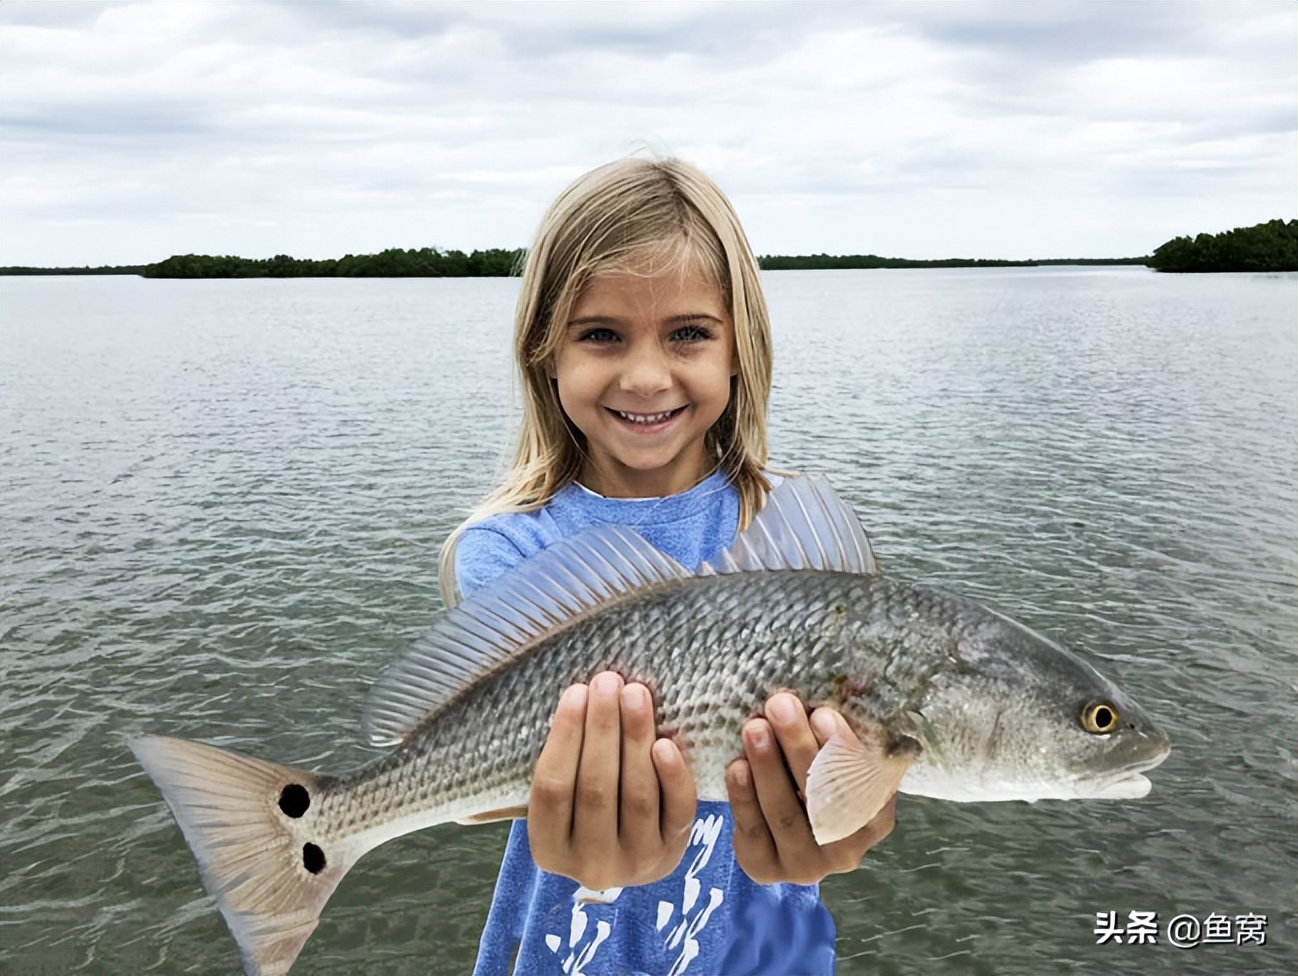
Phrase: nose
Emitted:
{"points": [[646, 371]]}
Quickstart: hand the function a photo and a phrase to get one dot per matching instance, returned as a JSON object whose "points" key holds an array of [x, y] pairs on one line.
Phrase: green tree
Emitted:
{"points": [[1272, 246]]}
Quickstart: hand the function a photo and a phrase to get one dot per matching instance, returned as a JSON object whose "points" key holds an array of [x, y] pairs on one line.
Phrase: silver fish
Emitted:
{"points": [[946, 698]]}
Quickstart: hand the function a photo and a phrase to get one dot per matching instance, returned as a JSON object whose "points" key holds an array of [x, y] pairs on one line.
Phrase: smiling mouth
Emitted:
{"points": [[646, 419]]}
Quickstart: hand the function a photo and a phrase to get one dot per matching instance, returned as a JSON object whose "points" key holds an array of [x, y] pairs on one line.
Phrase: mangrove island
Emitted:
{"points": [[1272, 246]]}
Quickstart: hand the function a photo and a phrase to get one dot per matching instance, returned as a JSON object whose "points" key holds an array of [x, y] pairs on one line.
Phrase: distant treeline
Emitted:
{"points": [[117, 269], [1272, 246], [427, 262], [431, 262], [811, 262]]}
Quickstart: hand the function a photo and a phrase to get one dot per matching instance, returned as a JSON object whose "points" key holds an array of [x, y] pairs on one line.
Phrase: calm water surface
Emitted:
{"points": [[223, 501]]}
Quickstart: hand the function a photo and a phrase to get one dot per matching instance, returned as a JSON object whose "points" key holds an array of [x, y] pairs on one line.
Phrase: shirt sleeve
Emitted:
{"points": [[481, 555]]}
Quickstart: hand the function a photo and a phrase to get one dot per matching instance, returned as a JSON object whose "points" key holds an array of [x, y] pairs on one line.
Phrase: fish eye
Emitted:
{"points": [[1099, 718]]}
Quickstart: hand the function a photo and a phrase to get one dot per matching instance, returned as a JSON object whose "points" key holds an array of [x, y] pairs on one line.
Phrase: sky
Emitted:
{"points": [[133, 131]]}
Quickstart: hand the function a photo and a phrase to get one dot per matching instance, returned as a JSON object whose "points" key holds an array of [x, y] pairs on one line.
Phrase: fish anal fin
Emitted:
{"points": [[492, 816], [851, 779]]}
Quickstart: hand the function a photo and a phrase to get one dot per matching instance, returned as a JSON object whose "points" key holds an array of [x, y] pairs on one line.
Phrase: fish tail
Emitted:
{"points": [[255, 828]]}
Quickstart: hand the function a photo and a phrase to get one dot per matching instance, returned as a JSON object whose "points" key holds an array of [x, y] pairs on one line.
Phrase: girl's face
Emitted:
{"points": [[643, 371]]}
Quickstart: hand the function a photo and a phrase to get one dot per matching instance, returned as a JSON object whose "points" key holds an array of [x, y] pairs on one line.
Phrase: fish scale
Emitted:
{"points": [[945, 698], [711, 650]]}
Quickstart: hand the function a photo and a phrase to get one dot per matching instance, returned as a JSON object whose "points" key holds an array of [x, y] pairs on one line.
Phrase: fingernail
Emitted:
{"points": [[665, 752], [781, 708], [759, 736], [635, 696], [741, 775], [824, 722], [574, 695], [607, 683]]}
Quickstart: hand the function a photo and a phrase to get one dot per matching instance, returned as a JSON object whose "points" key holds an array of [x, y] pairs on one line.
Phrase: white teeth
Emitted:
{"points": [[645, 419]]}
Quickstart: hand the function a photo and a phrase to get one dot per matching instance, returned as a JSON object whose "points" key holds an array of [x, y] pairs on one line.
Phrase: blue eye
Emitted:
{"points": [[692, 333], [598, 336]]}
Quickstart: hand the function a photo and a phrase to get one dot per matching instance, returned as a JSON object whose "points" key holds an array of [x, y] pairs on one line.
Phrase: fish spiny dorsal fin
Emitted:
{"points": [[804, 525], [492, 626]]}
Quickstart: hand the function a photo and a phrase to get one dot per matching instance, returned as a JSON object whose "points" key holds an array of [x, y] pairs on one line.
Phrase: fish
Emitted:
{"points": [[943, 697]]}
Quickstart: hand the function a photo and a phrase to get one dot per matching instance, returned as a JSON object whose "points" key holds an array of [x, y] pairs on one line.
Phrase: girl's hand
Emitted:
{"points": [[611, 804], [773, 840]]}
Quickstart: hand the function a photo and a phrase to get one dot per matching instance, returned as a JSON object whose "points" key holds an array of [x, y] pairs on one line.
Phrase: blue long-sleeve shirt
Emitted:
{"points": [[707, 916]]}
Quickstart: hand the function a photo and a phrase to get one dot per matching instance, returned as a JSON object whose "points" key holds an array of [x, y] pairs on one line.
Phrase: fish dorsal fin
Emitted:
{"points": [[489, 629], [804, 525]]}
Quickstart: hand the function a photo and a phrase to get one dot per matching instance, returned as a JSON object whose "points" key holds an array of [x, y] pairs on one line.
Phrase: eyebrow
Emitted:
{"points": [[683, 319]]}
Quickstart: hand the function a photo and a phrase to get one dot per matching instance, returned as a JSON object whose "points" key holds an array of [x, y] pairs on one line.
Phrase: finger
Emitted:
{"points": [[549, 809], [793, 732], [826, 722], [754, 846], [679, 795], [845, 855], [777, 795], [594, 813], [638, 783]]}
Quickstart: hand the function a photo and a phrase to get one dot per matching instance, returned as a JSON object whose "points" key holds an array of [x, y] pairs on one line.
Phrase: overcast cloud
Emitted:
{"points": [[138, 130]]}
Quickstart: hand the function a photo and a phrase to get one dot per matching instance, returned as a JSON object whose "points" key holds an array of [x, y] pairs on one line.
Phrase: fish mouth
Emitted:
{"points": [[1130, 787], [1127, 783], [646, 419]]}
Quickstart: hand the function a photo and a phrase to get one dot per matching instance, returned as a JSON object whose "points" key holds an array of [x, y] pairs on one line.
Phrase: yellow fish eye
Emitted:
{"points": [[1099, 717]]}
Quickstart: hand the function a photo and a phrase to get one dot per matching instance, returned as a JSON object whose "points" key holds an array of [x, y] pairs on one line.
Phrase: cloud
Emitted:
{"points": [[133, 131]]}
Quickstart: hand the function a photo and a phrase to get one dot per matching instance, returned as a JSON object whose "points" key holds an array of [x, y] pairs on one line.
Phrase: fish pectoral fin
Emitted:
{"points": [[491, 816], [851, 780]]}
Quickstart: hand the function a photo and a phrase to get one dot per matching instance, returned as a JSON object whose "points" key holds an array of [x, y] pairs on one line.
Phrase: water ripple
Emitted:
{"points": [[224, 503]]}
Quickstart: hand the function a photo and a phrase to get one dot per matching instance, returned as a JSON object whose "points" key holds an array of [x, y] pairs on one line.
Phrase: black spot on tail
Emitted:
{"points": [[313, 858], [294, 800]]}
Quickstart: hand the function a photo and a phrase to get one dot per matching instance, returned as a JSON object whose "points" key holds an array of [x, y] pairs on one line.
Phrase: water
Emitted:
{"points": [[223, 502]]}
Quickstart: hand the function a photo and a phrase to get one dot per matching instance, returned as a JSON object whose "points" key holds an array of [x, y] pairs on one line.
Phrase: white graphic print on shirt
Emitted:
{"points": [[577, 926], [582, 943], [704, 835]]}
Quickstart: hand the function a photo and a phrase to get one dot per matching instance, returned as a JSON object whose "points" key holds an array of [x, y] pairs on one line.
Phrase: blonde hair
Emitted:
{"points": [[615, 219]]}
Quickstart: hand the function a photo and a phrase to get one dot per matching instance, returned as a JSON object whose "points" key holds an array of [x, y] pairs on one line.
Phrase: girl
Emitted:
{"points": [[644, 347]]}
